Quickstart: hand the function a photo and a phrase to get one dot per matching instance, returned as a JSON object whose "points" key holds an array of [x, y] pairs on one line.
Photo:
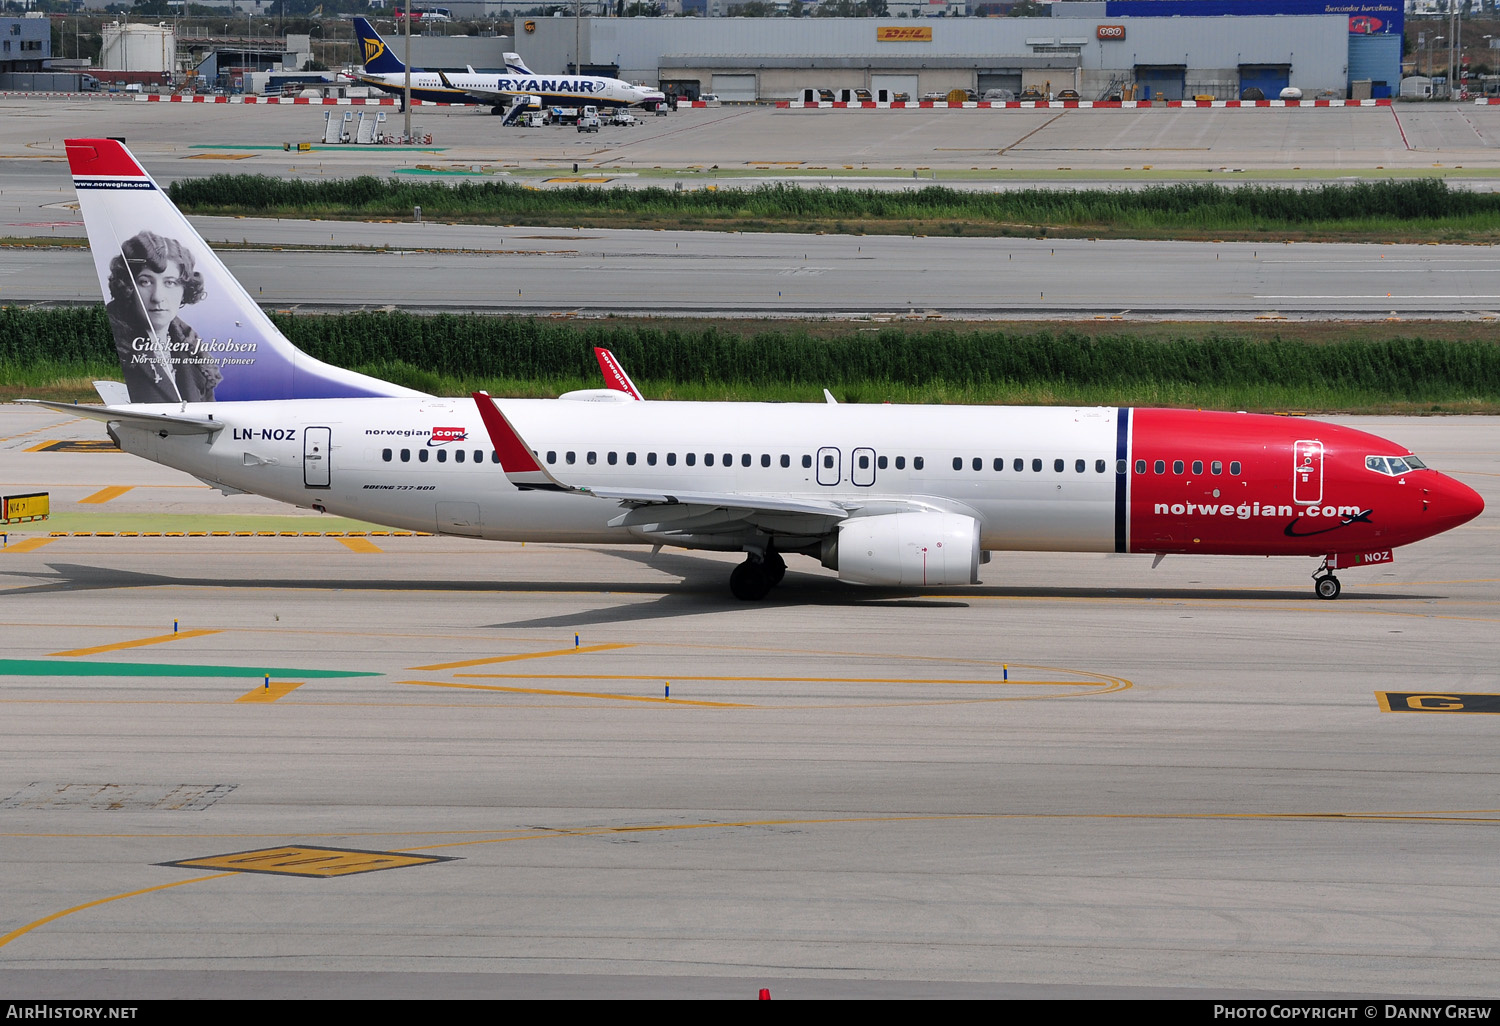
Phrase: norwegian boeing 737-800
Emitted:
{"points": [[891, 495]]}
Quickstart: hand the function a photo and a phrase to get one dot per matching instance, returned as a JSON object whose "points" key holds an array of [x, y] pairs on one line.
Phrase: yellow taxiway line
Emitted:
{"points": [[158, 640], [103, 495], [523, 655], [578, 694], [27, 545], [361, 545]]}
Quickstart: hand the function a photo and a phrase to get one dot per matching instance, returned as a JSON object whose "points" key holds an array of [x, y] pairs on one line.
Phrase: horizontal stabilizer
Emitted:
{"points": [[171, 423]]}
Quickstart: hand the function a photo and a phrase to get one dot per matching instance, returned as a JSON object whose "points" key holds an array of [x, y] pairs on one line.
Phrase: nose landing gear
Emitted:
{"points": [[1325, 585]]}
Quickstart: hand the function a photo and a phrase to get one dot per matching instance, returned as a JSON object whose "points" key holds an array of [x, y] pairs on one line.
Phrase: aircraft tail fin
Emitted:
{"points": [[184, 329], [516, 66], [377, 57]]}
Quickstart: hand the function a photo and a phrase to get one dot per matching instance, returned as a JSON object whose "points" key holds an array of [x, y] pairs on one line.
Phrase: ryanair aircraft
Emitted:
{"points": [[384, 71]]}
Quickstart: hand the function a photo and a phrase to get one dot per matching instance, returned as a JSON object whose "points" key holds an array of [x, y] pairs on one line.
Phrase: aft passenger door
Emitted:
{"points": [[317, 443]]}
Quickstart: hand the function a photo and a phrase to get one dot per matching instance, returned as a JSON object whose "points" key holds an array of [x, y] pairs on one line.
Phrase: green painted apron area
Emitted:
{"points": [[71, 668]]}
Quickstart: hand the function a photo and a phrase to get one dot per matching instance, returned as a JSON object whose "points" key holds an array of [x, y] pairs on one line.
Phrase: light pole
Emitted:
{"points": [[406, 93]]}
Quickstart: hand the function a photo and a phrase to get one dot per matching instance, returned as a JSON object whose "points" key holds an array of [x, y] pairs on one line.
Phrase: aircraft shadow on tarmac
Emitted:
{"points": [[695, 586]]}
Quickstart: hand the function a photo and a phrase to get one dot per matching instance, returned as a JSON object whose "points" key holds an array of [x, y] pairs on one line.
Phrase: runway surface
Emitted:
{"points": [[600, 272], [1084, 778]]}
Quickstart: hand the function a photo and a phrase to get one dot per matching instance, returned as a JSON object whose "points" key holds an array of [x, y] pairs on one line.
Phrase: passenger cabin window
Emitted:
{"points": [[421, 455], [880, 462], [442, 455], [592, 458], [570, 457], [1197, 467], [1234, 468], [1140, 466], [958, 463], [708, 459], [691, 458], [745, 460], [1099, 466], [1176, 466], [765, 459], [385, 454], [405, 455], [1020, 464], [999, 463], [786, 461], [1036, 466], [918, 462], [828, 461], [900, 462], [630, 459], [612, 459], [650, 459], [1216, 467], [806, 462], [1057, 466], [671, 459], [1160, 466], [458, 456], [1079, 465], [551, 455]]}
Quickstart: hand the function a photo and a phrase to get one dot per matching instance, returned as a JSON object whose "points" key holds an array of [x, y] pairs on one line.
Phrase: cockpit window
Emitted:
{"points": [[1394, 466]]}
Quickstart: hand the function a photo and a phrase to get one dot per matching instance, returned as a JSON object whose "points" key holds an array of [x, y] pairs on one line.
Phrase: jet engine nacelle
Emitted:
{"points": [[907, 549]]}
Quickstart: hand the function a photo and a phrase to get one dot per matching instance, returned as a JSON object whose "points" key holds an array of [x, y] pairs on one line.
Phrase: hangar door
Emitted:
{"points": [[894, 84], [999, 80], [1378, 58], [1270, 79], [735, 87], [1160, 82]]}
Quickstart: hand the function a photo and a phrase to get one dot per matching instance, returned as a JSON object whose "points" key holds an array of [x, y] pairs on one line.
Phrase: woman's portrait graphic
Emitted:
{"points": [[161, 356]]}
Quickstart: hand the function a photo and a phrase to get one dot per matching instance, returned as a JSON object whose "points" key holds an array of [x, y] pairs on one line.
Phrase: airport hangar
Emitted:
{"points": [[1165, 49]]}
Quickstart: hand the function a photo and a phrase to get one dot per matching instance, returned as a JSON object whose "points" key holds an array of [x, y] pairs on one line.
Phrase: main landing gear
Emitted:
{"points": [[1325, 585], [753, 579]]}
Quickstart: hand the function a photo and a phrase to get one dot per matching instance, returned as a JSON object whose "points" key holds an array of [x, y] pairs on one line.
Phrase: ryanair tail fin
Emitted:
{"points": [[184, 329], [377, 57], [515, 66]]}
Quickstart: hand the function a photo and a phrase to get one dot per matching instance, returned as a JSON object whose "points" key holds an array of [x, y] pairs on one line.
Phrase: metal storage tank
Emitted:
{"points": [[138, 48]]}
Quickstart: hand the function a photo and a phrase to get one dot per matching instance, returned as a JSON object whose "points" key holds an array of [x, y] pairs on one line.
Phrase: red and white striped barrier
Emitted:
{"points": [[1069, 104], [326, 101]]}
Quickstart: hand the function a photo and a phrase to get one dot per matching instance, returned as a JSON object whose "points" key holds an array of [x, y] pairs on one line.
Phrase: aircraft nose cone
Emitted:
{"points": [[1453, 502]]}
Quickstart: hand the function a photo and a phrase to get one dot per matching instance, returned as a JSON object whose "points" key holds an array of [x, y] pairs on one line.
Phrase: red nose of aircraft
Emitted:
{"points": [[1449, 503]]}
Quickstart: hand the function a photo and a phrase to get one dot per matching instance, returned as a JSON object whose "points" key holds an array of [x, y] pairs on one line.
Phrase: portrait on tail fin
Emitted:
{"points": [[161, 356]]}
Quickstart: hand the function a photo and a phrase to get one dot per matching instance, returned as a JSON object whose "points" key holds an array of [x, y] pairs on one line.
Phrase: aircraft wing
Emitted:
{"points": [[657, 511], [170, 423]]}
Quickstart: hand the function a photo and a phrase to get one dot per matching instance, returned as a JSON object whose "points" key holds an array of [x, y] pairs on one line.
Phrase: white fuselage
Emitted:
{"points": [[397, 462]]}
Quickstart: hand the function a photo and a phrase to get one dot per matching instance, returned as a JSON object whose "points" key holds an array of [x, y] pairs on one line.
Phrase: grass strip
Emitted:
{"points": [[1432, 367], [1416, 209]]}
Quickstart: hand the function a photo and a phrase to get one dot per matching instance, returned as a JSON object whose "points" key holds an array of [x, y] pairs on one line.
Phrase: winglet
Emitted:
{"points": [[516, 458], [614, 375]]}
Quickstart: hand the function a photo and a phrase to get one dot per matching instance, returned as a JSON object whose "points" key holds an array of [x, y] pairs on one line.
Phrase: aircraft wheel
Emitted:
{"points": [[775, 567], [1328, 587], [749, 582]]}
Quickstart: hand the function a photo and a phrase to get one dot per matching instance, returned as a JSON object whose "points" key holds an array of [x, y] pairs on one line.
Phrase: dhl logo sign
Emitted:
{"points": [[373, 49], [903, 34]]}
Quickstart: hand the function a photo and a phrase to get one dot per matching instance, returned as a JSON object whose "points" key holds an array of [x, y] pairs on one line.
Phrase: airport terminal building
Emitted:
{"points": [[1148, 49]]}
